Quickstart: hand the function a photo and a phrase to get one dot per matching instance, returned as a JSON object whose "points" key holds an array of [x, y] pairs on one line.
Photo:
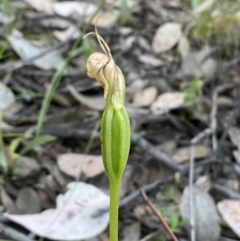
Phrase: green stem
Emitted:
{"points": [[114, 203]]}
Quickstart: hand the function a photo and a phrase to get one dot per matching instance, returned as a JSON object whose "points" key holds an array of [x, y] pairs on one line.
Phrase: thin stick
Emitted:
{"points": [[158, 215], [194, 141], [191, 199]]}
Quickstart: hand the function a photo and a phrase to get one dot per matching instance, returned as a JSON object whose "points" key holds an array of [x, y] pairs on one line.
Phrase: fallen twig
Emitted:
{"points": [[137, 139], [209, 131], [194, 141], [154, 152], [158, 215], [13, 234], [225, 191]]}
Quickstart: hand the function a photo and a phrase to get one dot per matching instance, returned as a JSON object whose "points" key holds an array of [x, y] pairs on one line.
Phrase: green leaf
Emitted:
{"points": [[168, 193], [177, 177], [39, 140]]}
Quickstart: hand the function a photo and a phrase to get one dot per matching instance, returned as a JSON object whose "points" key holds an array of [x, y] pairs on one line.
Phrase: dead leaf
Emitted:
{"points": [[146, 96], [26, 50], [206, 217], [198, 63], [107, 19], [166, 37], [92, 102], [150, 60], [126, 44], [45, 6], [183, 154], [184, 47], [236, 155], [26, 167], [7, 202], [230, 211], [28, 201], [166, 102], [73, 217], [168, 147], [125, 30], [209, 67], [131, 232], [135, 86], [55, 22], [171, 3], [70, 33], [234, 135], [13, 108], [72, 164], [224, 102], [143, 43], [7, 97], [74, 9]]}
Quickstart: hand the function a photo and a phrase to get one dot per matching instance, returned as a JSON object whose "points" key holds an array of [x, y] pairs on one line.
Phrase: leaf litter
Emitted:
{"points": [[159, 50], [72, 218]]}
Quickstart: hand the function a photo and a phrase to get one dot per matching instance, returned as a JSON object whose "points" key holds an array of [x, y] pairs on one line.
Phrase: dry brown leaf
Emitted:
{"points": [[166, 102], [230, 211], [27, 50], [55, 22], [143, 43], [131, 232], [28, 201], [92, 102], [234, 134], [135, 86], [198, 63], [7, 97], [146, 96], [77, 8], [183, 154], [150, 60], [168, 147], [171, 3], [7, 201], [45, 6], [125, 31], [126, 44], [224, 102], [166, 37], [72, 219], [184, 47], [73, 164], [209, 67], [107, 19], [70, 33], [206, 216], [236, 155]]}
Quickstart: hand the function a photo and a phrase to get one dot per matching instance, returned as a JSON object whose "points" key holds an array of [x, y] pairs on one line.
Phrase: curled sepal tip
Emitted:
{"points": [[102, 67]]}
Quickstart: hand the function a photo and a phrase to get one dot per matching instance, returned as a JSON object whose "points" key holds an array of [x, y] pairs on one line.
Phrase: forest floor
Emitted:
{"points": [[181, 64]]}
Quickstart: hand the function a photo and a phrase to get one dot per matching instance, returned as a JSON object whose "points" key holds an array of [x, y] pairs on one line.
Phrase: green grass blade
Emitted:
{"points": [[39, 140]]}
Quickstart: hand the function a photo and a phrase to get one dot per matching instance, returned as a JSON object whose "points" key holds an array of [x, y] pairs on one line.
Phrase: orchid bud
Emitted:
{"points": [[115, 125]]}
